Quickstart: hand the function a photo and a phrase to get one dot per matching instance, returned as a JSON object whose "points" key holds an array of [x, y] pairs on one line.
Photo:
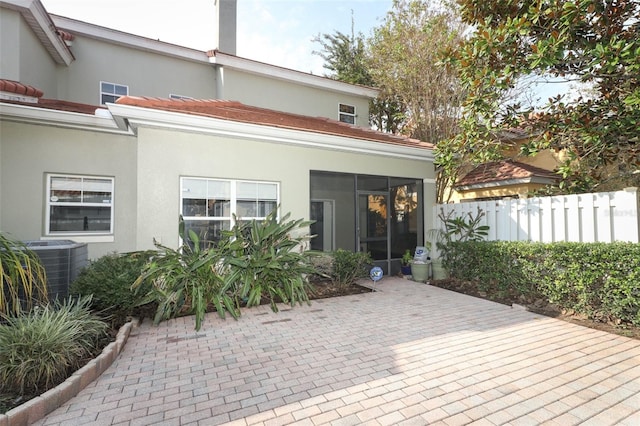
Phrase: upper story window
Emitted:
{"points": [[79, 205], [208, 205], [347, 113], [173, 96], [110, 92]]}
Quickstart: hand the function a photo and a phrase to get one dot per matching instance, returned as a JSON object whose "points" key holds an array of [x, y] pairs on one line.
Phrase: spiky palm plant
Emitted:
{"points": [[23, 279]]}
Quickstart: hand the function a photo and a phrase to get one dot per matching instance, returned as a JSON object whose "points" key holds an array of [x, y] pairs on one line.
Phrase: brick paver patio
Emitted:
{"points": [[409, 354]]}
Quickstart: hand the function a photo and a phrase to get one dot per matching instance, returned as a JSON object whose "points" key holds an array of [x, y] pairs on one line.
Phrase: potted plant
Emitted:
{"points": [[405, 266]]}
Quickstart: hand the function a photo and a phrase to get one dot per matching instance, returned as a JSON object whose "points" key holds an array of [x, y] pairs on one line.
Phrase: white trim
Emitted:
{"points": [[48, 204], [40, 22], [222, 59], [81, 238], [10, 96], [509, 182], [129, 40], [233, 200], [115, 86], [347, 114], [272, 71], [102, 121], [146, 117], [179, 97]]}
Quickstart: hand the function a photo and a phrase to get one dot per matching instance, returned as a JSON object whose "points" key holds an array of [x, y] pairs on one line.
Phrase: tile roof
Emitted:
{"points": [[500, 171], [236, 111], [65, 35], [18, 88], [31, 96]]}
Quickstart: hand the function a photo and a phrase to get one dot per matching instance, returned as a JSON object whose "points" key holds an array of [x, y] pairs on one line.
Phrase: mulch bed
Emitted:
{"points": [[540, 307]]}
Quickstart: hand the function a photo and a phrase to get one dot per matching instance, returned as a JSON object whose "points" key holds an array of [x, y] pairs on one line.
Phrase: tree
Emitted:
{"points": [[420, 96], [596, 43], [406, 64], [346, 58]]}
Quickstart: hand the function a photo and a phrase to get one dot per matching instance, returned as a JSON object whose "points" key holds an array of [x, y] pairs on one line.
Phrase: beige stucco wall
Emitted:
{"points": [[147, 171], [276, 94], [146, 74], [519, 191], [28, 152], [164, 156], [9, 36], [31, 64]]}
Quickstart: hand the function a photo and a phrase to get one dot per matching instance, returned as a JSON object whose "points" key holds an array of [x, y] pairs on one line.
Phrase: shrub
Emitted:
{"points": [[22, 277], [255, 261], [349, 266], [186, 280], [109, 280], [599, 280], [267, 261], [40, 348]]}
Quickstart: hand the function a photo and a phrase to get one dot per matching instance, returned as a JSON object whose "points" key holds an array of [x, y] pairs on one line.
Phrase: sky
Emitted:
{"points": [[278, 32]]}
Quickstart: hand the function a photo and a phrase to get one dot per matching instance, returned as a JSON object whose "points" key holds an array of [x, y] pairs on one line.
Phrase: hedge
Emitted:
{"points": [[599, 280]]}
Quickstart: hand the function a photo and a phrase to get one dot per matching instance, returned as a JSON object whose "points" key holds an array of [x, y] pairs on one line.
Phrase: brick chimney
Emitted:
{"points": [[225, 20]]}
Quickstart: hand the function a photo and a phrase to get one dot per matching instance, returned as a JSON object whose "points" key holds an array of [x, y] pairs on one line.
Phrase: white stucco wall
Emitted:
{"points": [[28, 152]]}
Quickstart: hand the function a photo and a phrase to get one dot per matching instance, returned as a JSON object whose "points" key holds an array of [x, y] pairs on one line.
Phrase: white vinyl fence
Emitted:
{"points": [[596, 217]]}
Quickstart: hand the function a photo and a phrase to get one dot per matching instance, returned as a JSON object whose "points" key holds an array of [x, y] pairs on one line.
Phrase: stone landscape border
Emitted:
{"points": [[38, 407]]}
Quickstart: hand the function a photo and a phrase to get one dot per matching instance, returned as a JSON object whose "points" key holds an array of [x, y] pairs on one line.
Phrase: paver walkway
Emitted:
{"points": [[410, 354]]}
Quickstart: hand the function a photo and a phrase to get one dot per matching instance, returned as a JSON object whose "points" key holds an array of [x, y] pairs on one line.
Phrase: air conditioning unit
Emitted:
{"points": [[62, 260]]}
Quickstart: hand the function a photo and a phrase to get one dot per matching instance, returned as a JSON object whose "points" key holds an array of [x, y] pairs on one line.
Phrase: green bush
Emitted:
{"points": [[23, 280], [599, 280], [256, 261], [267, 261], [348, 266], [186, 280], [39, 349], [109, 280]]}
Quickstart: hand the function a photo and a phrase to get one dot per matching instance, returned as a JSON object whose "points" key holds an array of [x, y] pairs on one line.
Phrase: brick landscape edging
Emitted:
{"points": [[38, 407]]}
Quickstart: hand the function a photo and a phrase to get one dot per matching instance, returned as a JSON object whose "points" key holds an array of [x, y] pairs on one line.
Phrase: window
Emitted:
{"points": [[79, 205], [347, 114], [208, 205], [110, 92], [172, 96]]}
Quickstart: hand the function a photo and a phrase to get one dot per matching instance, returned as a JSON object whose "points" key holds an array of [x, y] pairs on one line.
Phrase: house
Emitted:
{"points": [[107, 138], [514, 177]]}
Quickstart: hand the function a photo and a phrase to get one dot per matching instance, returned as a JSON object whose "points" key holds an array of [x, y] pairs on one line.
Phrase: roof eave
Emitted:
{"points": [[272, 71], [507, 182], [109, 35], [147, 117], [100, 121], [43, 27]]}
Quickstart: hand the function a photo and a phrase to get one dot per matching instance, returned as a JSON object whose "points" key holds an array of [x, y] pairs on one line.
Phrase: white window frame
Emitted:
{"points": [[345, 116], [92, 236], [178, 97], [113, 94], [233, 200]]}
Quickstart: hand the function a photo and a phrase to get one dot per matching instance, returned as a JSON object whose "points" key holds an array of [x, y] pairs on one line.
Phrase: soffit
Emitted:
{"points": [[41, 24]]}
